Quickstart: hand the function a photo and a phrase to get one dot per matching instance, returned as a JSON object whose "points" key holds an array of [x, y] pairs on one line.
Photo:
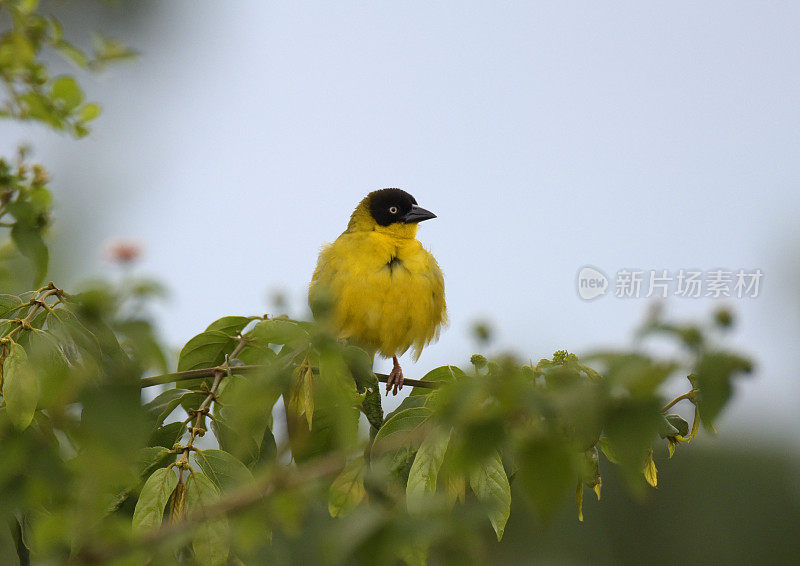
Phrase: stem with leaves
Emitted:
{"points": [[37, 303], [203, 410]]}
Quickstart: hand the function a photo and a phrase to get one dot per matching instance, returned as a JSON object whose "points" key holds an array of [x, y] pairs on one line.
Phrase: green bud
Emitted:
{"points": [[560, 356], [478, 361]]}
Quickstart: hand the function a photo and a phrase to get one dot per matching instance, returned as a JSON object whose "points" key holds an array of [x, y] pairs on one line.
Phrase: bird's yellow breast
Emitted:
{"points": [[387, 290]]}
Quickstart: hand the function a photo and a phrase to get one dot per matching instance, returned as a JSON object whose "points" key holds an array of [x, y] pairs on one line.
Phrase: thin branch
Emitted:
{"points": [[689, 395], [382, 377], [202, 410], [186, 375]]}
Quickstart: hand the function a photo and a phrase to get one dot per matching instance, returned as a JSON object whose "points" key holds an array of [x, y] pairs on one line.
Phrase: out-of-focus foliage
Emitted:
{"points": [[25, 203], [31, 93], [305, 467], [423, 479]]}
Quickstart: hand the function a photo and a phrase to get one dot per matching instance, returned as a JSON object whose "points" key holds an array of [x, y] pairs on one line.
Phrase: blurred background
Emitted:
{"points": [[546, 136]]}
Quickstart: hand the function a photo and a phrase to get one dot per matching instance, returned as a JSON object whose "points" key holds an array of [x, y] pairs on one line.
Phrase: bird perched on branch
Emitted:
{"points": [[384, 290]]}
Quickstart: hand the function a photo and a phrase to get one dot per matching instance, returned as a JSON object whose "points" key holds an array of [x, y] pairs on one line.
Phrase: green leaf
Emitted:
{"points": [[69, 328], [20, 386], [246, 403], [360, 365], [140, 339], [165, 403], [410, 402], [336, 405], [41, 199], [72, 53], [679, 423], [629, 433], [256, 353], [268, 450], [347, 490], [230, 325], [241, 446], [443, 374], [280, 331], [222, 468], [590, 468], [30, 244], [425, 471], [714, 375], [650, 471], [205, 350], [28, 6], [404, 424], [16, 51], [153, 457], [490, 484], [47, 360], [415, 553], [667, 430], [200, 493], [9, 305], [67, 93], [548, 469], [38, 107], [455, 486], [108, 49], [301, 400], [177, 504], [639, 374], [167, 435], [89, 112], [154, 496], [210, 543]]}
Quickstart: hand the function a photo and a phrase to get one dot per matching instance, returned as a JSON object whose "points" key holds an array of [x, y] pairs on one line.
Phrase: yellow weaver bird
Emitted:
{"points": [[386, 291]]}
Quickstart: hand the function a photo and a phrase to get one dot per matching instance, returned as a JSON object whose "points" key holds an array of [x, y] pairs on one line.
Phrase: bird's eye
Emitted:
{"points": [[393, 209]]}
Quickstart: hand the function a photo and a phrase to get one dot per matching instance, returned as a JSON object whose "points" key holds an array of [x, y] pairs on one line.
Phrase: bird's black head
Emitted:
{"points": [[388, 206]]}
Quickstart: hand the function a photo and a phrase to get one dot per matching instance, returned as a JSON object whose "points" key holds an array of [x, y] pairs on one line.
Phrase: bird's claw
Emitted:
{"points": [[394, 382]]}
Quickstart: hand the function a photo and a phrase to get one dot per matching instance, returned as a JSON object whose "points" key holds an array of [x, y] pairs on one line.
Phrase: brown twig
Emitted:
{"points": [[186, 375], [36, 303], [202, 410]]}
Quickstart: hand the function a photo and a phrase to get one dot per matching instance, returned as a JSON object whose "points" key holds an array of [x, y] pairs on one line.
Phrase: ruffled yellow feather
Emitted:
{"points": [[386, 290]]}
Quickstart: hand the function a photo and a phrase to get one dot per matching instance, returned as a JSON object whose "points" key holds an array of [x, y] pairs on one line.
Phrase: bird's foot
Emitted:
{"points": [[394, 382]]}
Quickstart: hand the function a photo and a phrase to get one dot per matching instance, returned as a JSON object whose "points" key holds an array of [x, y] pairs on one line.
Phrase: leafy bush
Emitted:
{"points": [[304, 465]]}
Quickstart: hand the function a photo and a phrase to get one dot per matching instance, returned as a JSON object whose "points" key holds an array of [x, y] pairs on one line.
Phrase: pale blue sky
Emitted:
{"points": [[545, 135]]}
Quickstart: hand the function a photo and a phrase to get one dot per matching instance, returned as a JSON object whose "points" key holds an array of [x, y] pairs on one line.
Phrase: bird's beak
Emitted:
{"points": [[417, 214]]}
